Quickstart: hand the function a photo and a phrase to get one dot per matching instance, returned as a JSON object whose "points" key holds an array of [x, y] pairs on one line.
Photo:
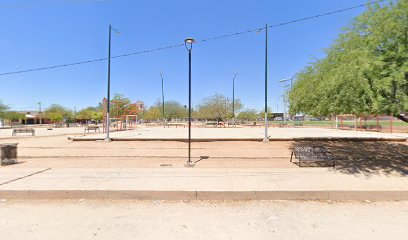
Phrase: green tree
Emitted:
{"points": [[90, 113], [217, 107], [55, 116], [57, 113], [119, 104], [153, 113], [172, 110], [364, 72], [12, 115], [3, 109], [248, 114]]}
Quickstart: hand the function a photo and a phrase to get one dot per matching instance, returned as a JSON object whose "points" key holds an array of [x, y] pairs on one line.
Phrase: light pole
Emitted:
{"points": [[162, 81], [107, 139], [188, 42], [39, 112], [233, 99], [284, 97], [266, 137], [288, 79]]}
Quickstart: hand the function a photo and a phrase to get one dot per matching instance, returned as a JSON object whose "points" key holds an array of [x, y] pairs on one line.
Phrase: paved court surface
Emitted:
{"points": [[295, 220], [237, 133], [43, 132], [203, 184], [192, 179]]}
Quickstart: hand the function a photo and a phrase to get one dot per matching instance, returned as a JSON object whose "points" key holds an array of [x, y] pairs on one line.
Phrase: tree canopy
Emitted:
{"points": [[217, 107], [172, 110], [57, 113], [364, 72], [248, 114], [90, 113]]}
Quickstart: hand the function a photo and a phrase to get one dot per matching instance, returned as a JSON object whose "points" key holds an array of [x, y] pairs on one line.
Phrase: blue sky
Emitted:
{"points": [[40, 33]]}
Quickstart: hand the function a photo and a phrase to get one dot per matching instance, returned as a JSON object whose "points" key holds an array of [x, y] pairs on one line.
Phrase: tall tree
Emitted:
{"points": [[217, 107], [57, 112], [364, 72]]}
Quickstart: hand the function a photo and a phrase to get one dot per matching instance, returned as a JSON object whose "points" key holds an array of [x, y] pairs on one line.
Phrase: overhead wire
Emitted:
{"points": [[198, 41]]}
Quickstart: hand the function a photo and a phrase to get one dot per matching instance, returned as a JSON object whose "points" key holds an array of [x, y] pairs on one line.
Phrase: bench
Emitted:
{"points": [[23, 130], [88, 128], [175, 125], [312, 154]]}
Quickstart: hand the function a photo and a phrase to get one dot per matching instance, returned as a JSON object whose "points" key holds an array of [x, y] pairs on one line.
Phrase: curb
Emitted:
{"points": [[350, 139], [204, 195]]}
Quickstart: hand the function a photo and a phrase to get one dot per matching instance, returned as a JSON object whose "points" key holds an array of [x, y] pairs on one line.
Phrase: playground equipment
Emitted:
{"points": [[377, 123], [123, 116]]}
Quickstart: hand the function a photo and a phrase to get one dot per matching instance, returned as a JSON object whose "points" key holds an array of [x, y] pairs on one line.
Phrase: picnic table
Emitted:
{"points": [[88, 128], [23, 130], [312, 153]]}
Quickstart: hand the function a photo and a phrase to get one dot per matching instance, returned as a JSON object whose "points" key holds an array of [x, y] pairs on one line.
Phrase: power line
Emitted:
{"points": [[199, 41]]}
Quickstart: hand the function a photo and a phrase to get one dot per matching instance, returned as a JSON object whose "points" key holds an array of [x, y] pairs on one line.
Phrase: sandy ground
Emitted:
{"points": [[59, 152], [238, 132], [86, 219]]}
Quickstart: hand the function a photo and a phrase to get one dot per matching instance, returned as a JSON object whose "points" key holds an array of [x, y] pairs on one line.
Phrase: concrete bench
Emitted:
{"points": [[23, 130]]}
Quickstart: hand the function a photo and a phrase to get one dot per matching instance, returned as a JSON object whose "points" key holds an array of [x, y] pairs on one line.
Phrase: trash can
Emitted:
{"points": [[8, 153]]}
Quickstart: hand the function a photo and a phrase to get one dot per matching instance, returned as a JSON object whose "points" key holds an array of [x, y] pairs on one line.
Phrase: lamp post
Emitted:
{"points": [[286, 80], [284, 97], [39, 112], [188, 42], [162, 83], [107, 139], [266, 137], [233, 99]]}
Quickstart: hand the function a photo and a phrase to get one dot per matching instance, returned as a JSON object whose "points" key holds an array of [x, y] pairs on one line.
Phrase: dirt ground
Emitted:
{"points": [[85, 219], [58, 151]]}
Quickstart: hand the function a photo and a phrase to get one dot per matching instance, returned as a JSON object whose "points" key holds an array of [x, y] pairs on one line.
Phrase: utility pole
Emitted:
{"points": [[39, 111], [233, 99], [75, 114], [108, 93], [284, 108], [162, 83]]}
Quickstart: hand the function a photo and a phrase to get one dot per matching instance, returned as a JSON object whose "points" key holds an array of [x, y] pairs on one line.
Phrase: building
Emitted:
{"points": [[140, 105], [33, 117]]}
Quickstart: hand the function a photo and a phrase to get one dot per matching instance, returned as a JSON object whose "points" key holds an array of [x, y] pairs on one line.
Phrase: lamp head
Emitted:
{"points": [[189, 40]]}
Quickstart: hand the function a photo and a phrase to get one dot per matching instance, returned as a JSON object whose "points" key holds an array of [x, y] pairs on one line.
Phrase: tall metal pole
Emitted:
{"points": [[108, 108], [161, 74], [233, 100], [39, 112], [189, 106], [284, 108], [266, 137], [188, 42]]}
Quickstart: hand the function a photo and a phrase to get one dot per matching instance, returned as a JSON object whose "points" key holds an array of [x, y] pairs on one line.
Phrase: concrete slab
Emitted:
{"points": [[242, 134], [207, 184]]}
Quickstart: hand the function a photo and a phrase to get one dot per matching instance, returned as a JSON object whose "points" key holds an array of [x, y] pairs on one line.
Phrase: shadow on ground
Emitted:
{"points": [[366, 157]]}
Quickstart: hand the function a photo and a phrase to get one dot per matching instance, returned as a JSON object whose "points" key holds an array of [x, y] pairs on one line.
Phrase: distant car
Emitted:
{"points": [[278, 119]]}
